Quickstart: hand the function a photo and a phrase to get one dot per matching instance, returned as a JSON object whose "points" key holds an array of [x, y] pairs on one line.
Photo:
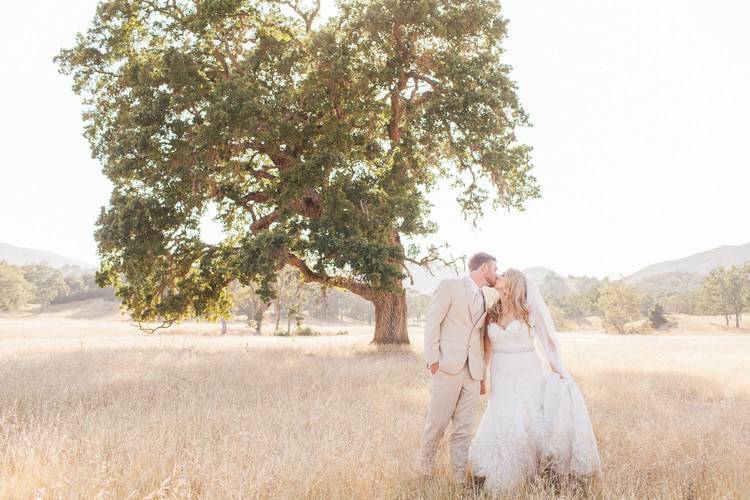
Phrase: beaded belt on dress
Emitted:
{"points": [[505, 351]]}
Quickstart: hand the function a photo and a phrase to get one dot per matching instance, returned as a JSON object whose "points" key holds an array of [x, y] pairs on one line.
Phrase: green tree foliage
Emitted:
{"points": [[665, 284], [316, 142], [47, 283], [726, 291], [571, 299], [329, 304], [247, 301], [337, 304], [656, 316], [418, 305], [82, 286], [675, 291], [15, 291], [618, 304], [560, 316], [554, 286], [290, 291]]}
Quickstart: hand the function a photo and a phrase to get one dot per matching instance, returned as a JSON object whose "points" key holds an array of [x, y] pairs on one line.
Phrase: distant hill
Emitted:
{"points": [[699, 263], [538, 273], [673, 275], [661, 285], [19, 256]]}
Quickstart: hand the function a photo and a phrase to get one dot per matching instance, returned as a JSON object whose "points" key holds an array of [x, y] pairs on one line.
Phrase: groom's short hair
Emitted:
{"points": [[479, 258]]}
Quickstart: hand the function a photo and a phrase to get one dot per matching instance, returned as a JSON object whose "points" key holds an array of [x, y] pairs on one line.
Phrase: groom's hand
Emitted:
{"points": [[482, 387], [434, 367]]}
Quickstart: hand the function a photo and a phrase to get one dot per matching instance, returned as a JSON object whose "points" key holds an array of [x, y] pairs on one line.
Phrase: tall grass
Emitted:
{"points": [[333, 417]]}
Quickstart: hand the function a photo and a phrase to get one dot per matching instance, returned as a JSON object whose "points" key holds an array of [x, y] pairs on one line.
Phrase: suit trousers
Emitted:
{"points": [[453, 397]]}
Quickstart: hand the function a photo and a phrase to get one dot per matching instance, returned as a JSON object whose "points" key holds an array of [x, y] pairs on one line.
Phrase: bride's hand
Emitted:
{"points": [[482, 387]]}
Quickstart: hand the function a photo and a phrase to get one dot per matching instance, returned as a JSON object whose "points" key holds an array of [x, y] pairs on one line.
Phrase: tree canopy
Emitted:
{"points": [[726, 291], [317, 142]]}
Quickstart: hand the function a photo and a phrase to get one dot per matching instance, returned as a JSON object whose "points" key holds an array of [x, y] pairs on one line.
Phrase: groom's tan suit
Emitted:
{"points": [[453, 338]]}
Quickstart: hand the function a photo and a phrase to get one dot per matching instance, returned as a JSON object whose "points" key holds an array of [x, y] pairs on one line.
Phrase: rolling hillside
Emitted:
{"points": [[19, 256], [699, 263]]}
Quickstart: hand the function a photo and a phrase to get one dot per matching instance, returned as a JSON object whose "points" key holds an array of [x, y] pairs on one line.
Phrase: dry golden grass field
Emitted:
{"points": [[91, 409]]}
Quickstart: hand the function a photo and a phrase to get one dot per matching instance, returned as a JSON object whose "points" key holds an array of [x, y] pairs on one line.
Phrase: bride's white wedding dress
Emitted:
{"points": [[534, 418]]}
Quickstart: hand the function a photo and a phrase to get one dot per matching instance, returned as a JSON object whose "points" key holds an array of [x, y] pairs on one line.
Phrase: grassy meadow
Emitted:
{"points": [[91, 409]]}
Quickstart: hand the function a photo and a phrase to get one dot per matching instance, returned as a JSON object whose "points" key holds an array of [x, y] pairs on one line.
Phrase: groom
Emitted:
{"points": [[454, 352]]}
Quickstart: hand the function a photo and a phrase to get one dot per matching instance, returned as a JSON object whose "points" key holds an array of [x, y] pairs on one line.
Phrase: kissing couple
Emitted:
{"points": [[490, 330]]}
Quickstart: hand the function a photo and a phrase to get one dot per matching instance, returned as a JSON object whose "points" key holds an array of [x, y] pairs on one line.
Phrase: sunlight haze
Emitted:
{"points": [[640, 134]]}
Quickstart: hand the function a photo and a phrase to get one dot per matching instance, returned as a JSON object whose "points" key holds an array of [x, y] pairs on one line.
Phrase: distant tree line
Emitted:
{"points": [[295, 300], [724, 292], [573, 299], [42, 284]]}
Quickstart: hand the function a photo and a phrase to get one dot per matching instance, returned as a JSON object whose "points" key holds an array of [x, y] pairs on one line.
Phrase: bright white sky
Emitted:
{"points": [[640, 136]]}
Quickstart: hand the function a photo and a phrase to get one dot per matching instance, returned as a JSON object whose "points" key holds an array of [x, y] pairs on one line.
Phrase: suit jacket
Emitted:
{"points": [[450, 336]]}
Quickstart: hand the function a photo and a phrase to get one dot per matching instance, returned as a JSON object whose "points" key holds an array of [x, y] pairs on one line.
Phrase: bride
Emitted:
{"points": [[536, 417]]}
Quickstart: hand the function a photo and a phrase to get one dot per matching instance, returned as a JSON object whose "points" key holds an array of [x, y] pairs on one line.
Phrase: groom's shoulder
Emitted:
{"points": [[453, 279], [450, 282]]}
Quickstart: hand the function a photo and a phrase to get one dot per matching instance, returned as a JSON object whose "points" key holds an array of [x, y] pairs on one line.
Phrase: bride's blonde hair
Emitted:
{"points": [[515, 302]]}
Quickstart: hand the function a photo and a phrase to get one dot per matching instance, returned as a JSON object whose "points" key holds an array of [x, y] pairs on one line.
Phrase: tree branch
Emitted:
{"points": [[308, 17], [164, 324], [408, 272], [260, 173], [338, 281], [265, 221], [432, 256], [220, 58]]}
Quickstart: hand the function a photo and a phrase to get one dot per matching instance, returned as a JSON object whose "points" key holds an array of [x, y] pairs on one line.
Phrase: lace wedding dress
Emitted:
{"points": [[534, 418]]}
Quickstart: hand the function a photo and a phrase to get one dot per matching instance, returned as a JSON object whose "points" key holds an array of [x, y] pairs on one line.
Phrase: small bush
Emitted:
{"points": [[306, 332], [639, 328], [342, 332], [656, 316]]}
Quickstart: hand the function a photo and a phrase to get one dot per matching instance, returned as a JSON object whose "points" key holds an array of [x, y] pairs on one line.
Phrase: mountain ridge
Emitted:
{"points": [[699, 263], [20, 256]]}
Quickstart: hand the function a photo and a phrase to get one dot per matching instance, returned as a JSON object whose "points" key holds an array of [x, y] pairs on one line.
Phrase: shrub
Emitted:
{"points": [[306, 332], [639, 328], [618, 304], [656, 316]]}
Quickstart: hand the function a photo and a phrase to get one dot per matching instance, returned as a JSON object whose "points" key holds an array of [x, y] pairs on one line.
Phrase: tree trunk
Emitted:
{"points": [[390, 318], [223, 326], [277, 312], [258, 322]]}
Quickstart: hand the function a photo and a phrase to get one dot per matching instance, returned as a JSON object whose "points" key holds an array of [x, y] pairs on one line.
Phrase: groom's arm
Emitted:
{"points": [[439, 305]]}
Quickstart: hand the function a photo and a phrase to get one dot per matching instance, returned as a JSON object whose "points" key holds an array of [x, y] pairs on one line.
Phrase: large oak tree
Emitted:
{"points": [[316, 140]]}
